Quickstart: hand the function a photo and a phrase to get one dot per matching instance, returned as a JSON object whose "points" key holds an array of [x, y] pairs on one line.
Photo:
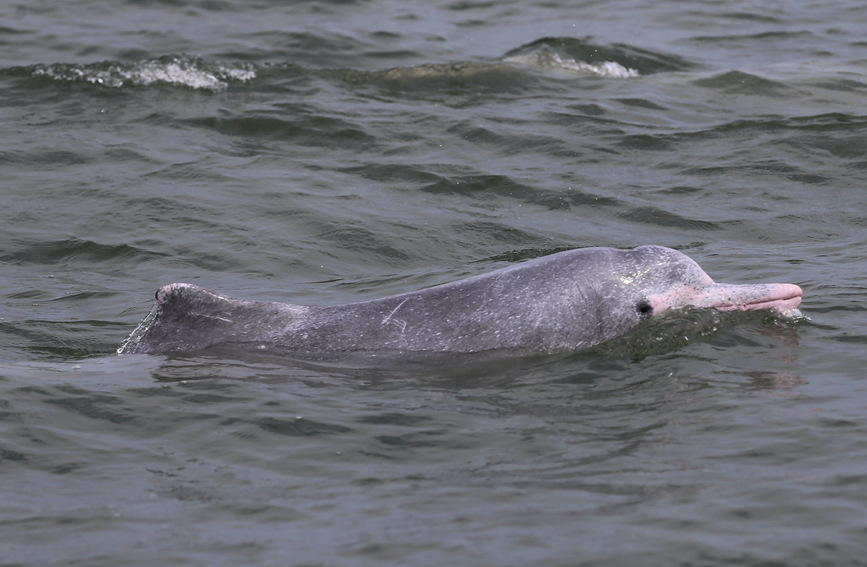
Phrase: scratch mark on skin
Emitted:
{"points": [[401, 324], [203, 315]]}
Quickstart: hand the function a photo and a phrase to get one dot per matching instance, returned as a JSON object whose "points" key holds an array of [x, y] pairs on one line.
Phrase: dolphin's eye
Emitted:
{"points": [[644, 307]]}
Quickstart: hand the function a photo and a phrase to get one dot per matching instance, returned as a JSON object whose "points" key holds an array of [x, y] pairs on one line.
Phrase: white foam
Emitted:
{"points": [[793, 315], [550, 60], [183, 72]]}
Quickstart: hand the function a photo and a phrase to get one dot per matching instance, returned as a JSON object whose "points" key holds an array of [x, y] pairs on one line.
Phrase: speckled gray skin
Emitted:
{"points": [[559, 303]]}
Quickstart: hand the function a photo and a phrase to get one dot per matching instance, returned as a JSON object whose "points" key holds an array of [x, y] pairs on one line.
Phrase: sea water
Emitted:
{"points": [[329, 152]]}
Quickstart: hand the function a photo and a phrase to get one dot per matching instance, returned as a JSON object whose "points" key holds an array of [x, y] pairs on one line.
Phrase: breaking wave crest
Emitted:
{"points": [[551, 60], [187, 72], [583, 56]]}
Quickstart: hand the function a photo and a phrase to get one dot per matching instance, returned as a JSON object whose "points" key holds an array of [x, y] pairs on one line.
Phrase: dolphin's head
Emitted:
{"points": [[648, 281], [679, 282]]}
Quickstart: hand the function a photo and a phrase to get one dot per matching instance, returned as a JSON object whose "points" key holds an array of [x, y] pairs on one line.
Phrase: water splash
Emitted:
{"points": [[550, 60], [187, 72], [792, 316]]}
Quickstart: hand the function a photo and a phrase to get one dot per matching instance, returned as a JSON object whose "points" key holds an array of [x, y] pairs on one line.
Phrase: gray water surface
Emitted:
{"points": [[328, 152]]}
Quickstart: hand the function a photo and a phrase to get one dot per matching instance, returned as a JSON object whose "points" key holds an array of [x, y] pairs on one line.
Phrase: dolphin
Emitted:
{"points": [[564, 302]]}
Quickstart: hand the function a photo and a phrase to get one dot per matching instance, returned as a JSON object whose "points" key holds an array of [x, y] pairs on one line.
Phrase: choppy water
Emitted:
{"points": [[326, 152]]}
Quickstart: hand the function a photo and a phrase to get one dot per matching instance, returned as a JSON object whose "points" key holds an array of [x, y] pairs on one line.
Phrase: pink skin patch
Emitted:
{"points": [[729, 297]]}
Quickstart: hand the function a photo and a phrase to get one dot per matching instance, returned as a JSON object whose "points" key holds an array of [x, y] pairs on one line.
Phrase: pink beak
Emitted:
{"points": [[729, 297]]}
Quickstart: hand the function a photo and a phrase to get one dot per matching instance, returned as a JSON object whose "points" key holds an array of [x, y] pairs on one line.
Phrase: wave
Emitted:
{"points": [[570, 56], [583, 56]]}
